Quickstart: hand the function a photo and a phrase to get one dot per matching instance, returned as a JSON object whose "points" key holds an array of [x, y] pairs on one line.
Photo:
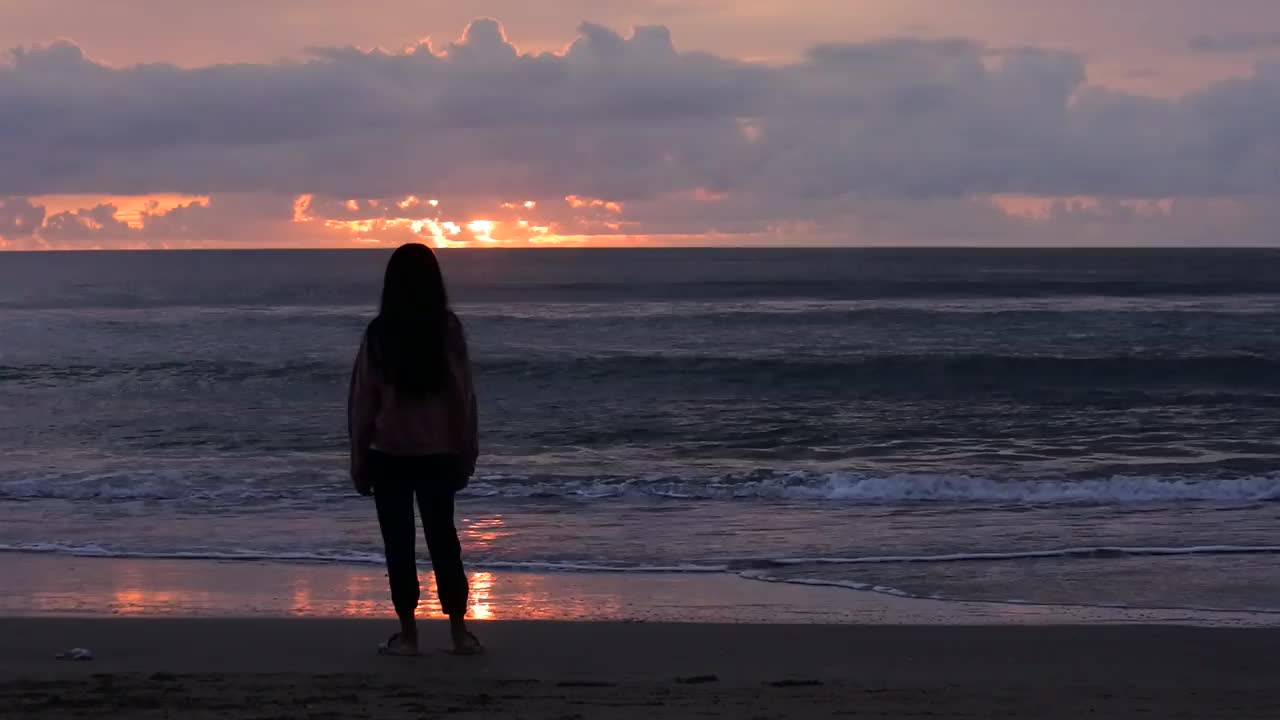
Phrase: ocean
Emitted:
{"points": [[1076, 427]]}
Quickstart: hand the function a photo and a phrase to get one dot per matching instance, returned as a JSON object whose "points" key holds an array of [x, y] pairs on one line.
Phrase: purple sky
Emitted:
{"points": [[142, 123]]}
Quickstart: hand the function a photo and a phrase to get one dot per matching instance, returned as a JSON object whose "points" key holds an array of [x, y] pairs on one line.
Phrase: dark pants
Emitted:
{"points": [[433, 480]]}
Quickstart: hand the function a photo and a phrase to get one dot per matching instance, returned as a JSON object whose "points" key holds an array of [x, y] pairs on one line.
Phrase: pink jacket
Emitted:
{"points": [[382, 419]]}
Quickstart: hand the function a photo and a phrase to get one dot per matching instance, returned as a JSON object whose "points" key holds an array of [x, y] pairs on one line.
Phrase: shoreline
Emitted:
{"points": [[315, 668], [57, 586], [208, 639]]}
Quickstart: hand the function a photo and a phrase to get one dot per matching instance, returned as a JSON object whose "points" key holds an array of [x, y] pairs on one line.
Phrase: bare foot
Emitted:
{"points": [[464, 641], [400, 645]]}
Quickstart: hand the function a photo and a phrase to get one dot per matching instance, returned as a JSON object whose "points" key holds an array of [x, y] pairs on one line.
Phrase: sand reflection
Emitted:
{"points": [[481, 594], [367, 596], [138, 601], [301, 602], [238, 589], [138, 592]]}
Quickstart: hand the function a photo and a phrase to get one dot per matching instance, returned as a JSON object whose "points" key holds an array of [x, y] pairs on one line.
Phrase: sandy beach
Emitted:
{"points": [[164, 646], [268, 668]]}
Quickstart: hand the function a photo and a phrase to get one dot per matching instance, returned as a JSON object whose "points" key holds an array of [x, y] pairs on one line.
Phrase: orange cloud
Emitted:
{"points": [[578, 202], [131, 210]]}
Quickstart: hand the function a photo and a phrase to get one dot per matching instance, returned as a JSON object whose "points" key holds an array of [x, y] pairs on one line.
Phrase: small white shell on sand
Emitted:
{"points": [[76, 654]]}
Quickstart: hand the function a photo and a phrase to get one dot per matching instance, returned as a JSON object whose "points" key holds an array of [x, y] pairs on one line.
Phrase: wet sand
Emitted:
{"points": [[294, 668], [57, 585]]}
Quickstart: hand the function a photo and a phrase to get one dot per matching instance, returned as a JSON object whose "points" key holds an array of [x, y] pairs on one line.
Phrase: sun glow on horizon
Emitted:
{"points": [[315, 220], [482, 229], [397, 220]]}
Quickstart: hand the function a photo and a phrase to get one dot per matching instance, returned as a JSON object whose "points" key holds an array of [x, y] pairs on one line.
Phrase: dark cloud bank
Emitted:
{"points": [[840, 140]]}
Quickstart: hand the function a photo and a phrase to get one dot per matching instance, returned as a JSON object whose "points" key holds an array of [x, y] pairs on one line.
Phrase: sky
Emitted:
{"points": [[328, 123]]}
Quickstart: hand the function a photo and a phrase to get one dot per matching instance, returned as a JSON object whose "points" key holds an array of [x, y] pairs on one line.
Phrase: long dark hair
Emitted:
{"points": [[409, 339]]}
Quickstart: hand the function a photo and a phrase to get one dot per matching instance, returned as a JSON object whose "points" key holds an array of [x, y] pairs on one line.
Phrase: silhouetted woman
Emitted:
{"points": [[412, 418]]}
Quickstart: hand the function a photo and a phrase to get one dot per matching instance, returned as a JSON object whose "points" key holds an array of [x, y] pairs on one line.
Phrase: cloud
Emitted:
{"points": [[625, 117], [19, 217], [1234, 42], [98, 221], [700, 217], [686, 142]]}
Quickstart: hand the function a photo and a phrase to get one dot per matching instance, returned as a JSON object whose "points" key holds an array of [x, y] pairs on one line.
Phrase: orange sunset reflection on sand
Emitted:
{"points": [[160, 587], [306, 592], [69, 586], [134, 593], [166, 588], [360, 596]]}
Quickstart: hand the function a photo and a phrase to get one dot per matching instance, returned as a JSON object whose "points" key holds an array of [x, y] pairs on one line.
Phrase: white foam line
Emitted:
{"points": [[1103, 550], [93, 550], [761, 576], [839, 487], [594, 568], [97, 551], [819, 582]]}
